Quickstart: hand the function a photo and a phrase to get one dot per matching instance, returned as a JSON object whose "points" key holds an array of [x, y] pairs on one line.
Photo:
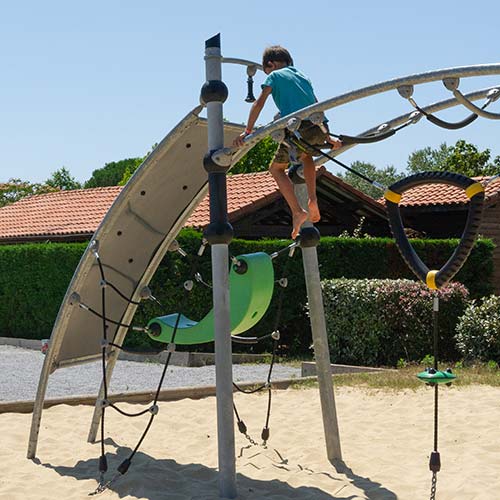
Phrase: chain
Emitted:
{"points": [[433, 486], [104, 485]]}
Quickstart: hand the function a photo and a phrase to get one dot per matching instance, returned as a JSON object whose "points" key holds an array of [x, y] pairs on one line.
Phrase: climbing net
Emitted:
{"points": [[240, 266]]}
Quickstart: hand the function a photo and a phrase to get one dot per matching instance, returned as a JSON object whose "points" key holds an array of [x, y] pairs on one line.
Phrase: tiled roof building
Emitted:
{"points": [[255, 208], [440, 211]]}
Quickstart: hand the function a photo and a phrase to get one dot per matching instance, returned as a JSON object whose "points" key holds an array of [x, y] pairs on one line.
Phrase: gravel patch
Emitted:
{"points": [[20, 371]]}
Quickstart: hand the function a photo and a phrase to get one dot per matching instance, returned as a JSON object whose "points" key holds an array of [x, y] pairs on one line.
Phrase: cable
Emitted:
{"points": [[343, 165]]}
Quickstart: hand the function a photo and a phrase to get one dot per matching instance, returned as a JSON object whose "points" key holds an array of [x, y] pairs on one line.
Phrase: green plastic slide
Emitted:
{"points": [[251, 288]]}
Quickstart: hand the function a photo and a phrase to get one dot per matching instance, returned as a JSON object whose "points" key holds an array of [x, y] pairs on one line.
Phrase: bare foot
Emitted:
{"points": [[298, 219], [314, 215]]}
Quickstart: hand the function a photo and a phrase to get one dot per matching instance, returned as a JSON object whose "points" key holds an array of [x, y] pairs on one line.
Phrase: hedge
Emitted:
{"points": [[478, 331], [378, 322], [34, 278]]}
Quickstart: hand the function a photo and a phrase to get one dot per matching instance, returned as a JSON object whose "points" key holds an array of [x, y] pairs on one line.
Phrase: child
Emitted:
{"points": [[291, 91]]}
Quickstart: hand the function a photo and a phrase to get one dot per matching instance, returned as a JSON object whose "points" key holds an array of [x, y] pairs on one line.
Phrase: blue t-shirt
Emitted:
{"points": [[291, 89]]}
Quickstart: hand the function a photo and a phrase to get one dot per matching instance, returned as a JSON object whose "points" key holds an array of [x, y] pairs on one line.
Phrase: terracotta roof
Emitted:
{"points": [[444, 195], [79, 212], [62, 213], [245, 193]]}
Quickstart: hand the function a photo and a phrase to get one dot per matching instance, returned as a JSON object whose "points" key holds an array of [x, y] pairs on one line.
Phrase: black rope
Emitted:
{"points": [[153, 409], [343, 165], [103, 316], [435, 460], [448, 125], [121, 294]]}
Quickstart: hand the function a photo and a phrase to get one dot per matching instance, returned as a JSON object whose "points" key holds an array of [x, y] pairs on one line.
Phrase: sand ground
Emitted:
{"points": [[386, 440]]}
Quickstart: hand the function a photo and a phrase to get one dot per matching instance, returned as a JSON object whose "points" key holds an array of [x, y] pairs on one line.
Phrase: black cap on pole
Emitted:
{"points": [[213, 42]]}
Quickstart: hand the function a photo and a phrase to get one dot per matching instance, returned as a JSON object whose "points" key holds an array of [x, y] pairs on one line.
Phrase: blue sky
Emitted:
{"points": [[91, 82]]}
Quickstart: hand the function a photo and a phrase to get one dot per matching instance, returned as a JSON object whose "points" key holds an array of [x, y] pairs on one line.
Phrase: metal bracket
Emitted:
{"points": [[493, 95], [451, 83], [293, 124], [74, 299], [385, 127], [278, 135], [223, 157], [251, 70], [415, 117], [145, 292], [317, 118], [405, 91]]}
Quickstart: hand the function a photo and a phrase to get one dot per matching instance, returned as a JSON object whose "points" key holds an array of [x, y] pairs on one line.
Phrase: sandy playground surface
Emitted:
{"points": [[386, 441]]}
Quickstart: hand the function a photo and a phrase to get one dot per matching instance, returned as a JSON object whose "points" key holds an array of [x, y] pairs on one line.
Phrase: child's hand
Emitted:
{"points": [[238, 142], [336, 143]]}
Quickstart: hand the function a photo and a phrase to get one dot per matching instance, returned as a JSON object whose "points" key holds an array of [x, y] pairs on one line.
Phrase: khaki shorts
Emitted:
{"points": [[311, 133]]}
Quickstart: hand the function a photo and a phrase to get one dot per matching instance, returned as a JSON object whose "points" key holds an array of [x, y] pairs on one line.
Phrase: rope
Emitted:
{"points": [[444, 124], [343, 165], [153, 409]]}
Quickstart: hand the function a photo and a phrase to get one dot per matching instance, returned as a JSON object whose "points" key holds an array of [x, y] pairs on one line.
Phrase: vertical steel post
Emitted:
{"points": [[219, 234], [309, 239]]}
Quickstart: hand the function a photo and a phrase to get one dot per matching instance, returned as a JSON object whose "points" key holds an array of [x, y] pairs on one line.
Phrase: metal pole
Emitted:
{"points": [[219, 234], [309, 239], [38, 406]]}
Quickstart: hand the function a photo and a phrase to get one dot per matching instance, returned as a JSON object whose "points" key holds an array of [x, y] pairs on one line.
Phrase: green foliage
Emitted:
{"points": [[62, 179], [427, 360], [385, 176], [257, 159], [34, 278], [15, 189], [428, 159], [112, 173], [131, 168], [33, 281], [379, 322], [478, 332], [462, 158]]}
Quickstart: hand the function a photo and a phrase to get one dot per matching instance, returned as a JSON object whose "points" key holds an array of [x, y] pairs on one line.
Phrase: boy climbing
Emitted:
{"points": [[291, 91]]}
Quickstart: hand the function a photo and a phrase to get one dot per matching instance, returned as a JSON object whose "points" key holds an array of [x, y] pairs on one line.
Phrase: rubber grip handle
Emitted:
{"points": [[459, 256]]}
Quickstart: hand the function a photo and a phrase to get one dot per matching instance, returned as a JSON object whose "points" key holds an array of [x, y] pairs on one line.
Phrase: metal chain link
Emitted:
{"points": [[433, 486]]}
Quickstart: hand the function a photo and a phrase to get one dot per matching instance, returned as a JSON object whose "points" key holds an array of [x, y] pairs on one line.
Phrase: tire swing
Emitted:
{"points": [[435, 279]]}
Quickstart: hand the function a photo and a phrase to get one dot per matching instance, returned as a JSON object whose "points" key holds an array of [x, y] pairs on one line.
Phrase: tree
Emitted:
{"points": [[257, 159], [15, 189], [385, 176], [130, 169], [62, 179], [112, 173], [428, 159], [462, 158]]}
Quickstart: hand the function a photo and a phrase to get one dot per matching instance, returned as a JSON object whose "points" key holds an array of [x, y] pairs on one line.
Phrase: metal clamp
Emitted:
{"points": [[405, 91], [451, 83], [223, 157], [293, 124]]}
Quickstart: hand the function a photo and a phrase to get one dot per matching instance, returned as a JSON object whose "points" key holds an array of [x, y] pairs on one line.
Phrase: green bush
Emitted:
{"points": [[34, 278], [478, 331], [33, 281], [381, 322]]}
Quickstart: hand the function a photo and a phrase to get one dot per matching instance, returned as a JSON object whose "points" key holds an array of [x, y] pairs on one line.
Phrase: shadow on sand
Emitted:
{"points": [[202, 484]]}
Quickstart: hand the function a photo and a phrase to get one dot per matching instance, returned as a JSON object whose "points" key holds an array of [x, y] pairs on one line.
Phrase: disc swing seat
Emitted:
{"points": [[435, 279], [251, 285]]}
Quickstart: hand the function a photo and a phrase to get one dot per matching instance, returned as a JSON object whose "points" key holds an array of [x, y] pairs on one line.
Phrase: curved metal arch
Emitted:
{"points": [[414, 116], [416, 79]]}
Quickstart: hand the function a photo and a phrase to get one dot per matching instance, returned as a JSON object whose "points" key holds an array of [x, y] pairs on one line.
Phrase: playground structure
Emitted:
{"points": [[154, 205]]}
